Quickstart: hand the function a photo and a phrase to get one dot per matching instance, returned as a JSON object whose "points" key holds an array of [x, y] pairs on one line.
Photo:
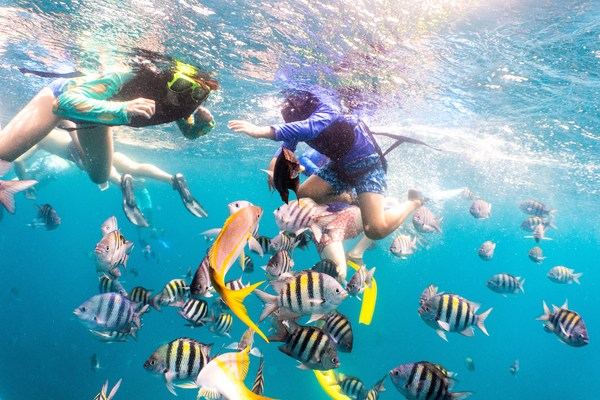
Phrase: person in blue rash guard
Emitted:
{"points": [[312, 160], [355, 160]]}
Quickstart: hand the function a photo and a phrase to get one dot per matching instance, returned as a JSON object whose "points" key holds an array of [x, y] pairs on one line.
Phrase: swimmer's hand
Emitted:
{"points": [[141, 107], [204, 114], [251, 130]]}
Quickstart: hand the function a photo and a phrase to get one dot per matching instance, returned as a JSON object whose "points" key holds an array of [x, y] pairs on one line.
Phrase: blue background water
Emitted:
{"points": [[509, 87]]}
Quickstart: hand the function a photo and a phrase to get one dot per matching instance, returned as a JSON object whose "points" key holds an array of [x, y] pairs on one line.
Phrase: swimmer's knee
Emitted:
{"points": [[375, 232]]}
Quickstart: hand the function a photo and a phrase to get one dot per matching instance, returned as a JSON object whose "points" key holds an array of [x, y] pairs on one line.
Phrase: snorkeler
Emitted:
{"points": [[123, 170], [356, 161], [143, 96]]}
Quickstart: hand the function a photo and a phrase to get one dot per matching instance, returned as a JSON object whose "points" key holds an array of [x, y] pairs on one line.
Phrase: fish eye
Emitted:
{"points": [[337, 290], [82, 309], [107, 248], [335, 360], [152, 362], [395, 372]]}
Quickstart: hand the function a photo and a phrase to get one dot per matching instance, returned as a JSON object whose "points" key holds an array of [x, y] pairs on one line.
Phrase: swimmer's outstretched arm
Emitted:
{"points": [[258, 132]]}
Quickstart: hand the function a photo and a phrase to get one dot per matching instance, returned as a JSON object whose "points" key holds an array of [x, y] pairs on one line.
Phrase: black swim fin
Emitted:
{"points": [[51, 74], [130, 207], [402, 139], [192, 205]]}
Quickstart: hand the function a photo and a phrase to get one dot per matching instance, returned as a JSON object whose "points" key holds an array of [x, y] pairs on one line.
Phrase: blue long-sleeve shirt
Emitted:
{"points": [[309, 129]]}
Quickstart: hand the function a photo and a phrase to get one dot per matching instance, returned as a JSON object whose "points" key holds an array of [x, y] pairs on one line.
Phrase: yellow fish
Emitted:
{"points": [[223, 377], [228, 246]]}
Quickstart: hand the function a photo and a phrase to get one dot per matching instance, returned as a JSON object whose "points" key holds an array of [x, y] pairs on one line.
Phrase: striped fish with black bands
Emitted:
{"points": [[195, 312], [107, 285], [175, 293], [351, 386], [424, 381], [307, 293], [313, 347], [259, 382], [110, 312], [447, 312], [506, 283], [327, 267], [265, 244], [338, 326], [566, 324], [373, 393], [222, 324], [143, 296], [114, 336], [179, 360]]}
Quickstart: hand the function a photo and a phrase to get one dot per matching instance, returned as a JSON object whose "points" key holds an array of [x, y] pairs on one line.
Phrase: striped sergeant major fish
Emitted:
{"points": [[373, 393], [143, 296], [351, 386], [247, 340], [480, 209], [536, 207], [280, 263], [447, 312], [312, 346], [259, 382], [200, 286], [246, 263], [361, 279], [195, 312], [404, 246], [221, 324], [47, 217], [424, 380], [112, 251], [539, 233], [566, 324], [486, 251], [425, 221], [264, 244], [536, 254], [175, 293], [179, 360], [562, 274], [110, 312], [306, 293], [506, 283], [108, 396], [529, 224], [107, 284], [327, 267], [223, 378], [338, 326], [286, 241]]}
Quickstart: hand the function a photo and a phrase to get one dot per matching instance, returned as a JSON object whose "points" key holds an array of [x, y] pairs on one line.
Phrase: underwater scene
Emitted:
{"points": [[241, 199]]}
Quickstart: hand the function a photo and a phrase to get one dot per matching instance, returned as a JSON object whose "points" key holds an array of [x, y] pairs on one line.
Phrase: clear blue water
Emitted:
{"points": [[510, 87]]}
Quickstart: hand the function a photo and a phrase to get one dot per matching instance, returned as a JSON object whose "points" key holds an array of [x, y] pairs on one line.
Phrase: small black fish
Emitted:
{"points": [[286, 174]]}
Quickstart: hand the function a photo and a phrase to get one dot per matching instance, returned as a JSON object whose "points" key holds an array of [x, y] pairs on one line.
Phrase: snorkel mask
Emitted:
{"points": [[187, 79]]}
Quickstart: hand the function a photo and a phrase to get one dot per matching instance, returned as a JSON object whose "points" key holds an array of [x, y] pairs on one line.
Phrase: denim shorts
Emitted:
{"points": [[365, 175]]}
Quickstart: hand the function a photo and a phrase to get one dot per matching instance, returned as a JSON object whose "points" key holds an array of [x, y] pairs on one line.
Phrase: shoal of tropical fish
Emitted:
{"points": [[301, 303]]}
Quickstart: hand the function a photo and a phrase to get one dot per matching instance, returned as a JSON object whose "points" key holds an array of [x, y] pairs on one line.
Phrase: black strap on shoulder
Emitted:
{"points": [[50, 74], [375, 144]]}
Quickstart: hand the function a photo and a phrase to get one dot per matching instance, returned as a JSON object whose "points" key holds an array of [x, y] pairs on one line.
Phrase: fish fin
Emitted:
{"points": [[232, 346], [114, 390], [562, 329], [186, 385], [109, 225], [315, 317], [303, 366], [210, 394], [475, 306], [468, 332], [444, 325], [521, 288], [234, 299], [441, 334], [565, 306], [169, 382], [211, 233], [576, 277], [459, 395], [255, 246], [256, 352], [268, 172], [9, 189], [270, 303], [104, 388], [481, 320]]}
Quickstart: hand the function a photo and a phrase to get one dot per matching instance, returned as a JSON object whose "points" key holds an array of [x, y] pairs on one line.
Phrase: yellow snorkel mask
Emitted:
{"points": [[183, 82]]}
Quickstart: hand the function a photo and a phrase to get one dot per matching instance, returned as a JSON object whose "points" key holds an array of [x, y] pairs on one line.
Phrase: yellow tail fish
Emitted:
{"points": [[228, 246]]}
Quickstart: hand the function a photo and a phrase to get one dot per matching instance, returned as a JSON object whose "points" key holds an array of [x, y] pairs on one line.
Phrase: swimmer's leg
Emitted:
{"points": [[334, 251], [29, 126], [321, 191], [97, 147], [379, 223], [357, 252]]}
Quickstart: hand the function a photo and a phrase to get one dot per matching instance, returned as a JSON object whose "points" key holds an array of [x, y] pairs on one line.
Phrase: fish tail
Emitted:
{"points": [[10, 188], [234, 299], [459, 395], [481, 320], [547, 313], [576, 277], [270, 303]]}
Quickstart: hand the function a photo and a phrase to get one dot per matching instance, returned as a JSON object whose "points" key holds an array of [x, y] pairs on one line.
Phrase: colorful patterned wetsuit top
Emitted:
{"points": [[100, 99]]}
